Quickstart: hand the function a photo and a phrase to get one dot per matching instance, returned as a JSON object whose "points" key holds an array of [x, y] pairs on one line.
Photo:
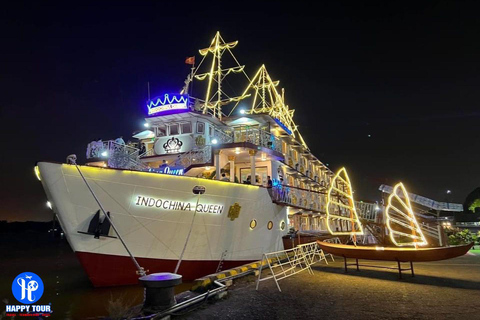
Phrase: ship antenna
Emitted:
{"points": [[148, 89]]}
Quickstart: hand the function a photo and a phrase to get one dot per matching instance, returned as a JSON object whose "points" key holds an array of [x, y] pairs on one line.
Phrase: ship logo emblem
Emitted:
{"points": [[234, 211], [172, 145]]}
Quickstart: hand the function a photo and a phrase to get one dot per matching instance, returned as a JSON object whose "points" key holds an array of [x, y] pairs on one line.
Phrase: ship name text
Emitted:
{"points": [[165, 204]]}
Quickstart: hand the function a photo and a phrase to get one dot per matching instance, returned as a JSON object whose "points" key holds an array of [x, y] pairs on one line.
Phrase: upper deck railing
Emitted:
{"points": [[300, 198], [117, 155], [257, 137]]}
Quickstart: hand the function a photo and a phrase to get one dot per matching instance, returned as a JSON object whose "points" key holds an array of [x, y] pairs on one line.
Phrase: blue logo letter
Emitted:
{"points": [[27, 287]]}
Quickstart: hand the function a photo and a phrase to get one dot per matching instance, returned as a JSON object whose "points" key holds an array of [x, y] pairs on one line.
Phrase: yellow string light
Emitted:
{"points": [[340, 199], [400, 218]]}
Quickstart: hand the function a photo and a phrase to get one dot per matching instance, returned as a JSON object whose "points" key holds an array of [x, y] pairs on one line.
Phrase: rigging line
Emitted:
{"points": [[188, 236], [198, 67], [134, 217], [238, 63]]}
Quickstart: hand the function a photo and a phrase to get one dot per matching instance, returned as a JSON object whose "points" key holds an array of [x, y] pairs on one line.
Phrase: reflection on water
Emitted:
{"points": [[67, 286]]}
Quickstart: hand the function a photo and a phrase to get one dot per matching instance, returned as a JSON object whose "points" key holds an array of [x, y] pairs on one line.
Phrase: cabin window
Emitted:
{"points": [[173, 129], [211, 130], [186, 127], [160, 132], [200, 127]]}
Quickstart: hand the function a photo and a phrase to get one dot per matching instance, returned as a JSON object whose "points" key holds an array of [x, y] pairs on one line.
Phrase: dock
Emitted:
{"points": [[440, 290]]}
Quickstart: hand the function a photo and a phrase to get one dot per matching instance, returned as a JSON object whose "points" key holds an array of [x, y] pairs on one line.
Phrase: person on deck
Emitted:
{"points": [[224, 177]]}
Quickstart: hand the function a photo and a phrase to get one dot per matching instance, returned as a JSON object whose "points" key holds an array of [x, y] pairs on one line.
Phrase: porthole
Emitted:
{"points": [[270, 225], [282, 225], [253, 224]]}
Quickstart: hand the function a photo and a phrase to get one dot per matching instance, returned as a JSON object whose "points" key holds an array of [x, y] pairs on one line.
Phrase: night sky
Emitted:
{"points": [[407, 75]]}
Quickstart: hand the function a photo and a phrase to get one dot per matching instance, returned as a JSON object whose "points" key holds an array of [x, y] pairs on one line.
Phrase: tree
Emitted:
{"points": [[462, 237], [472, 201]]}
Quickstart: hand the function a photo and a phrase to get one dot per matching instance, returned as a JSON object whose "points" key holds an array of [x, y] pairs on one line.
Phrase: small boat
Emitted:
{"points": [[394, 253]]}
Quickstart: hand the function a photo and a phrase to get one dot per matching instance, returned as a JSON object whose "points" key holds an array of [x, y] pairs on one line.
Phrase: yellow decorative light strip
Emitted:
{"points": [[401, 219], [37, 173], [215, 98], [267, 100], [341, 206]]}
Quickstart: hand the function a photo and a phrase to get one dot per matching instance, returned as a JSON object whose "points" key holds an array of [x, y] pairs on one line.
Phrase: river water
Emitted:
{"points": [[67, 287]]}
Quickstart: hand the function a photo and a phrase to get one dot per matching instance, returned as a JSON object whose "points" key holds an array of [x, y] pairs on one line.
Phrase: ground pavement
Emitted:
{"points": [[447, 289]]}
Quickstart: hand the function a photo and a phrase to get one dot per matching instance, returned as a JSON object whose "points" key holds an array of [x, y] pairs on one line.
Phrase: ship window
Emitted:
{"points": [[211, 130], [200, 127], [160, 132], [186, 127], [270, 225], [173, 129], [253, 224]]}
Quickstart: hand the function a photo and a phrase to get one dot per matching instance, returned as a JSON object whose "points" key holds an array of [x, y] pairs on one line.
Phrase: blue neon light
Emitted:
{"points": [[284, 127], [168, 102]]}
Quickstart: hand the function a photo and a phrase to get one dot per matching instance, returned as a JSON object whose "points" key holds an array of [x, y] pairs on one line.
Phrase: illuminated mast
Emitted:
{"points": [[215, 97], [267, 100]]}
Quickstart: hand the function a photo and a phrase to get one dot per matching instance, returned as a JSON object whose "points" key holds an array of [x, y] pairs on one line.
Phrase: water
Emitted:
{"points": [[67, 286]]}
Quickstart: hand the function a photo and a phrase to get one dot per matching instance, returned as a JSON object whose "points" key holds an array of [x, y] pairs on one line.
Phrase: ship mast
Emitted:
{"points": [[267, 100], [215, 97]]}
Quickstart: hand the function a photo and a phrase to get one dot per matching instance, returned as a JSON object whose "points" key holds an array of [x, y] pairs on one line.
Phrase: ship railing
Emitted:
{"points": [[313, 200], [148, 153], [366, 210], [433, 232], [299, 197], [195, 156], [222, 136], [257, 137], [117, 155]]}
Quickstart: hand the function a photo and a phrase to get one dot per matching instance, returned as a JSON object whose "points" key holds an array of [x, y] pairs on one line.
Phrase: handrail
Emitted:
{"points": [[195, 156], [310, 200], [258, 137], [322, 185], [148, 153]]}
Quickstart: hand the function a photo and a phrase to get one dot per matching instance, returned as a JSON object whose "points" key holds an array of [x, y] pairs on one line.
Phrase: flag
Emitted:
{"points": [[190, 60]]}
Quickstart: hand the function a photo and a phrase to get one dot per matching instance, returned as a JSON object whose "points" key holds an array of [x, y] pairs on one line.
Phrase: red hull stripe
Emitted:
{"points": [[110, 270]]}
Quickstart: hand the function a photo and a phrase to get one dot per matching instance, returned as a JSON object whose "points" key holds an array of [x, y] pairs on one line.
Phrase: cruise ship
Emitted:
{"points": [[245, 152]]}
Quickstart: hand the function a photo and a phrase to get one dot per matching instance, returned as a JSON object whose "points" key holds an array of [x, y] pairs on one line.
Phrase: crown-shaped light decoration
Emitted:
{"points": [[341, 207], [401, 222], [172, 145], [167, 102]]}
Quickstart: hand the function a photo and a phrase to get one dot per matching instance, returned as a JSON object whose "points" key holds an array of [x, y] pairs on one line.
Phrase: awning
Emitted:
{"points": [[146, 134]]}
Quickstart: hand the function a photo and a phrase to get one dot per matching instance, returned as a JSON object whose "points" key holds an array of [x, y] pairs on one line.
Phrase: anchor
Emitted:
{"points": [[97, 228]]}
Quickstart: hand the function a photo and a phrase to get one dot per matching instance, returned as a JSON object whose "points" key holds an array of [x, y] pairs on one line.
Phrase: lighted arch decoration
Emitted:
{"points": [[340, 206], [401, 222]]}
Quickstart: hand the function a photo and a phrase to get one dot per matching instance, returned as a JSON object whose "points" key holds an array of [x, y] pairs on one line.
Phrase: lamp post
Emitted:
{"points": [[198, 190]]}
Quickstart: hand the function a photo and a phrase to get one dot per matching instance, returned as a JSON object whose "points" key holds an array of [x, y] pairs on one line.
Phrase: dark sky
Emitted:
{"points": [[406, 74]]}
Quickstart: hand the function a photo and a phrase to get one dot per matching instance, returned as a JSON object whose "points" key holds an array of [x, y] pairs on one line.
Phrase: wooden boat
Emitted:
{"points": [[393, 253]]}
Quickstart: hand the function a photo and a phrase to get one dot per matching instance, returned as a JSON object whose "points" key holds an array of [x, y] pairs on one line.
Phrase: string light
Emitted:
{"points": [[333, 199], [401, 218]]}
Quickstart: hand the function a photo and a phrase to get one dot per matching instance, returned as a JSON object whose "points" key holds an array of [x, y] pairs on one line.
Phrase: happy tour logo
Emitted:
{"points": [[28, 288]]}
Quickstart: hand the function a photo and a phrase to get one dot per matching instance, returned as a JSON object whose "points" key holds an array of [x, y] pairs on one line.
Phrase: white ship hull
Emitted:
{"points": [[153, 213]]}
